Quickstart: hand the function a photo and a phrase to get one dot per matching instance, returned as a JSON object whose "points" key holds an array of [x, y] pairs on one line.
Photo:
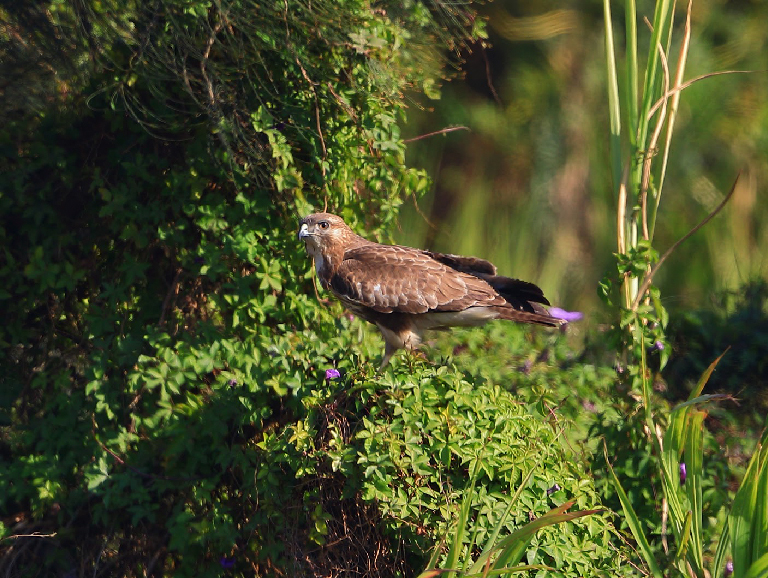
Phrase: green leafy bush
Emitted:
{"points": [[166, 409], [159, 321], [431, 428]]}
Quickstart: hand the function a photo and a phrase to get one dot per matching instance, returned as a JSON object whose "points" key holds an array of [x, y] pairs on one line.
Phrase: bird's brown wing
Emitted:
{"points": [[521, 295], [393, 279]]}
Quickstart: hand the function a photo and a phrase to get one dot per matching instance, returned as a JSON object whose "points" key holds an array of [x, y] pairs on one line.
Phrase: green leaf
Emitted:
{"points": [[758, 569], [694, 452], [633, 521], [746, 523]]}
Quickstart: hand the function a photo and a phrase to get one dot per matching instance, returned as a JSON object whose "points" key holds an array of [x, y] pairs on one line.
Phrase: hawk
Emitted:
{"points": [[406, 291]]}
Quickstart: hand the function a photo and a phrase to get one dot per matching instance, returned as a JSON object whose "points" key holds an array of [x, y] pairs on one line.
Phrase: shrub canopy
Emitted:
{"points": [[164, 401]]}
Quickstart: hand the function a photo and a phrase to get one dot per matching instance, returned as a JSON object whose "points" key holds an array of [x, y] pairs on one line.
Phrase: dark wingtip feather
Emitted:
{"points": [[471, 265], [520, 294], [542, 317]]}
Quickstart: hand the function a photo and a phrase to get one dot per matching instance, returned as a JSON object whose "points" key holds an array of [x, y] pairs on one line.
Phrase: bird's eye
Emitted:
{"points": [[324, 224]]}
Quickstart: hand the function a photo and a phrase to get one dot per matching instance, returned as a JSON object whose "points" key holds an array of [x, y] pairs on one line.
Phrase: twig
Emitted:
{"points": [[488, 78], [342, 102], [649, 277], [429, 223], [187, 83], [685, 85], [172, 290], [206, 54], [32, 535], [441, 131]]}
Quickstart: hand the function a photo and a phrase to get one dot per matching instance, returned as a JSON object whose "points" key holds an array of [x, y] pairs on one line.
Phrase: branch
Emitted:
{"points": [[173, 290], [32, 535], [649, 277], [685, 85], [441, 131]]}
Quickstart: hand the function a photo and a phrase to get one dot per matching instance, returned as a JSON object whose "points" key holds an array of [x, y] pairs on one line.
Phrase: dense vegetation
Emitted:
{"points": [[177, 400]]}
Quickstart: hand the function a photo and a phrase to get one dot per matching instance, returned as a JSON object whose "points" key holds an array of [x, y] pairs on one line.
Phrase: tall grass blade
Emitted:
{"points": [[718, 563], [630, 26], [679, 73], [694, 456], [740, 519], [707, 372], [514, 546], [760, 515], [647, 391], [652, 76], [457, 544], [614, 106], [633, 521], [513, 555], [433, 572], [433, 562], [672, 451], [554, 516], [682, 427], [651, 145], [759, 568], [682, 549], [703, 399]]}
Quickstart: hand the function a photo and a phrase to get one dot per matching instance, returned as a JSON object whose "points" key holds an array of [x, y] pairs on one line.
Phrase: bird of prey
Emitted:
{"points": [[406, 291]]}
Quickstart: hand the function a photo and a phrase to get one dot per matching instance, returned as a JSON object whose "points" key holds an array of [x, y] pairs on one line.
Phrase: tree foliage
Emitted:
{"points": [[165, 408]]}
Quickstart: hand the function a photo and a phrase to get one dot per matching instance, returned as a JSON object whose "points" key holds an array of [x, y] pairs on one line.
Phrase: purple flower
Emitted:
{"points": [[658, 346], [553, 489], [683, 473], [569, 316], [589, 406], [227, 563], [728, 568], [232, 382], [525, 368], [332, 374]]}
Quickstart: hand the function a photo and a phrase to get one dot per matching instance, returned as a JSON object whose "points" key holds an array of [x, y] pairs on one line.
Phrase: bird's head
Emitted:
{"points": [[320, 230]]}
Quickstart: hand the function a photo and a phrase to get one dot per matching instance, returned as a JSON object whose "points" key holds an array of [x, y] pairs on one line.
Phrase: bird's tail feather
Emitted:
{"points": [[542, 317]]}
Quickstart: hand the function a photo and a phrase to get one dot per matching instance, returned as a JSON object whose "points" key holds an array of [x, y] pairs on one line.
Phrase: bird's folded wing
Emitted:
{"points": [[403, 280], [472, 265], [519, 294]]}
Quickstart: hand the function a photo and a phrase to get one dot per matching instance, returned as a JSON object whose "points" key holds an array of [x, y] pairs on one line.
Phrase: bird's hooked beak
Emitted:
{"points": [[304, 232]]}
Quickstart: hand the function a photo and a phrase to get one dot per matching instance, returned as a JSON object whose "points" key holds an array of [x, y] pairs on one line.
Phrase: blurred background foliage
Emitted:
{"points": [[528, 185]]}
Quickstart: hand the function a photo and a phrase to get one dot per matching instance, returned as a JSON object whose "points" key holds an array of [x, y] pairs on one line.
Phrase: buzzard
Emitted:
{"points": [[406, 291]]}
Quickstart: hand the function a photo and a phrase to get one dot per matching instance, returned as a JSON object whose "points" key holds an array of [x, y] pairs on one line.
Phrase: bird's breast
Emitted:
{"points": [[320, 262]]}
